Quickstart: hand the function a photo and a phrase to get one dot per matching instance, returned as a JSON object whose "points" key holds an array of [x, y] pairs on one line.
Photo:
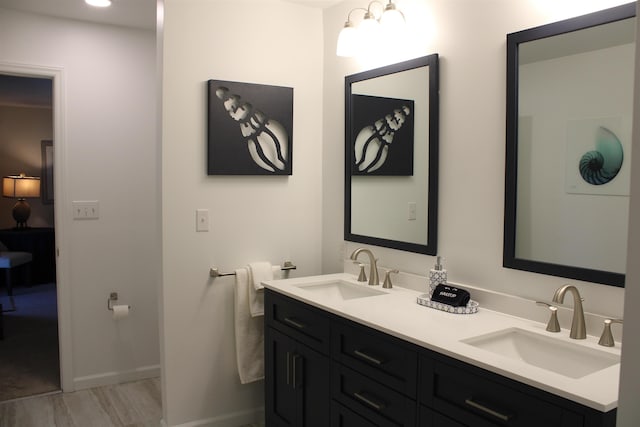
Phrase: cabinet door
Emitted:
{"points": [[279, 394], [296, 383], [311, 378]]}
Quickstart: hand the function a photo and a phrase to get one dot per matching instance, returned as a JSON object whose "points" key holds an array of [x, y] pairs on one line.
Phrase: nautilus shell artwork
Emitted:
{"points": [[249, 128], [372, 143], [601, 165]]}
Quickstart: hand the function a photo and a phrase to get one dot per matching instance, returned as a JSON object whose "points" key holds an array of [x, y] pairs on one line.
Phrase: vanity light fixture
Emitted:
{"points": [[98, 3], [371, 29]]}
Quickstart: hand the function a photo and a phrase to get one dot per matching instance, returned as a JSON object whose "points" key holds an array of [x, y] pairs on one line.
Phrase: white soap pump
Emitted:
{"points": [[437, 275]]}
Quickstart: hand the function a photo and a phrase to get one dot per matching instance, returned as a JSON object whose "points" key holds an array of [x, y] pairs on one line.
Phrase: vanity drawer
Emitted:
{"points": [[371, 399], [376, 355], [298, 320], [345, 417], [429, 418], [478, 401]]}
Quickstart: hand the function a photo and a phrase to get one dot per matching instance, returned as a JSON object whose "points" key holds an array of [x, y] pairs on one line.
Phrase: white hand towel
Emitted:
{"points": [[258, 273], [249, 332]]}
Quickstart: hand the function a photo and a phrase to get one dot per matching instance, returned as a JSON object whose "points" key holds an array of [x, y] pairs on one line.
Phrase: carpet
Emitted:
{"points": [[29, 358]]}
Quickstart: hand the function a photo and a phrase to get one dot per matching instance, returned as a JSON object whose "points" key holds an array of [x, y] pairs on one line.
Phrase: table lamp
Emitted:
{"points": [[20, 187]]}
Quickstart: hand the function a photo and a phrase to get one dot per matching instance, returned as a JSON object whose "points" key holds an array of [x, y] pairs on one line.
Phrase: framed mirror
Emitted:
{"points": [[391, 156], [569, 116]]}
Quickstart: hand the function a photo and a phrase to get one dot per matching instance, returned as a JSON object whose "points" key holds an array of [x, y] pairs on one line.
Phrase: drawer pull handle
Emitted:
{"points": [[375, 405], [297, 365], [487, 410], [288, 368], [295, 323], [368, 357]]}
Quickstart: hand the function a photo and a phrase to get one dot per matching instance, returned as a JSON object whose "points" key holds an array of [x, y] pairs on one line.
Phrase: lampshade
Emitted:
{"points": [[347, 40], [392, 19], [377, 30], [369, 27], [20, 186]]}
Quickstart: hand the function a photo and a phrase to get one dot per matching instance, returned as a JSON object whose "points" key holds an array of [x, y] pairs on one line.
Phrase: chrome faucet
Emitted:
{"points": [[373, 273], [578, 328]]}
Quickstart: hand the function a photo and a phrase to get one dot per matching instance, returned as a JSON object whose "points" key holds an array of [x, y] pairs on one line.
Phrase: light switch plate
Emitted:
{"points": [[202, 219], [411, 211], [86, 209]]}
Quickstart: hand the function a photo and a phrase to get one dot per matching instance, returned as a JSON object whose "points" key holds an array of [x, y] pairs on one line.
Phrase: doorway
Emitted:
{"points": [[32, 353]]}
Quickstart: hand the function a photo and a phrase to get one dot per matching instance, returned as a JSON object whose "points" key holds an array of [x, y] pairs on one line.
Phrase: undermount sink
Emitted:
{"points": [[340, 290], [553, 354]]}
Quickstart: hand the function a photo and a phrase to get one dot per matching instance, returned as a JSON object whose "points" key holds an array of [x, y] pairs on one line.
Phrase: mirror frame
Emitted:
{"points": [[430, 248], [606, 16]]}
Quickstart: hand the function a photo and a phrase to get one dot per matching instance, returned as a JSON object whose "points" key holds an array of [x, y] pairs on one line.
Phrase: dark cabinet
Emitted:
{"points": [[473, 397], [342, 416], [323, 370], [371, 399], [296, 375]]}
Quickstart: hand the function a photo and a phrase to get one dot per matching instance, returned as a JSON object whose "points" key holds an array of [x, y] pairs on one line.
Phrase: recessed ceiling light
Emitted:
{"points": [[98, 3]]}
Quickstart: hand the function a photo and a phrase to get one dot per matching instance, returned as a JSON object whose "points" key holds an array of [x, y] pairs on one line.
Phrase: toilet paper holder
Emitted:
{"points": [[113, 297]]}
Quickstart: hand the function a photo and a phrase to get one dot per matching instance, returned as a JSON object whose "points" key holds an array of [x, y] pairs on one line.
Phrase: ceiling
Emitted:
{"points": [[141, 14], [128, 13]]}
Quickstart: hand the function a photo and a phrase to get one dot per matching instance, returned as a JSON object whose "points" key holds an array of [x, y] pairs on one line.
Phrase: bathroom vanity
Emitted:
{"points": [[353, 355]]}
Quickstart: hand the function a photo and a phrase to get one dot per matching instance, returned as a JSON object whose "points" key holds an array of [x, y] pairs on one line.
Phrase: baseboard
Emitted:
{"points": [[235, 419], [108, 378]]}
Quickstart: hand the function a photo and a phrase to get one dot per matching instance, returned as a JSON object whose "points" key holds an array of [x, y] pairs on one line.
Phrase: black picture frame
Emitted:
{"points": [[249, 129], [46, 174]]}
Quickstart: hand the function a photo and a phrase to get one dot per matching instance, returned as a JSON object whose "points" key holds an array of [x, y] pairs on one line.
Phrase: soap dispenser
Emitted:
{"points": [[437, 275]]}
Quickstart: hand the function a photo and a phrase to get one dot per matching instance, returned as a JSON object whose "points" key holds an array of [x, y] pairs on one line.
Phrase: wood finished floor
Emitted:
{"points": [[133, 404]]}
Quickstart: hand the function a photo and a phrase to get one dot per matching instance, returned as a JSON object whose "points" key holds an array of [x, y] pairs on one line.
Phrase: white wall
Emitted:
{"points": [[107, 152], [470, 37], [271, 218]]}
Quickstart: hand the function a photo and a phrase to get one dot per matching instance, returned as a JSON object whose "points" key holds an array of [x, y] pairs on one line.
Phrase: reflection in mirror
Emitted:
{"points": [[569, 113], [391, 155]]}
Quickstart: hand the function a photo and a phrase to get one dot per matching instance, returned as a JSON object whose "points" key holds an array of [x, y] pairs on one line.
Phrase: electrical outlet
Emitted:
{"points": [[89, 209]]}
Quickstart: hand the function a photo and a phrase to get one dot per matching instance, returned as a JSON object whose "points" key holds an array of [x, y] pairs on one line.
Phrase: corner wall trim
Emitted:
{"points": [[233, 419], [109, 378]]}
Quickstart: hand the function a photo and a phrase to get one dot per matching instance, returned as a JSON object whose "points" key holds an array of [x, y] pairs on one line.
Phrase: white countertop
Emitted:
{"points": [[398, 314]]}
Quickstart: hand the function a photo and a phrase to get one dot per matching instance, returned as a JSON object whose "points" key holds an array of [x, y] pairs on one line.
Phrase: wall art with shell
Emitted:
{"points": [[249, 129], [382, 136], [598, 155]]}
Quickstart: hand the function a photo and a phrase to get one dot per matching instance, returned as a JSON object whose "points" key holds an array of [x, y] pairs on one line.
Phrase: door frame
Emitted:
{"points": [[57, 75]]}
